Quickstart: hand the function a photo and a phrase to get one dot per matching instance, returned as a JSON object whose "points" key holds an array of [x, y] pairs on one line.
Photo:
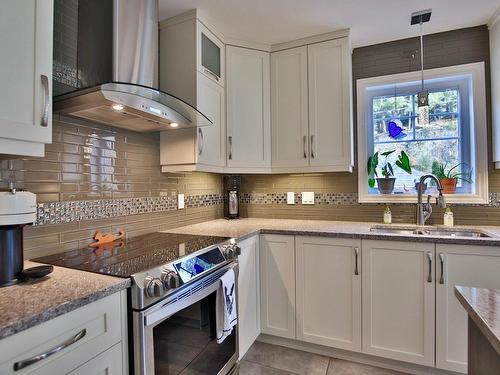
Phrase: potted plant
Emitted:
{"points": [[386, 183], [449, 177]]}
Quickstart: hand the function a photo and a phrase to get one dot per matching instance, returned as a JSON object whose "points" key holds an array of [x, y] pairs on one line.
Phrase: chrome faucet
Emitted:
{"points": [[424, 210]]}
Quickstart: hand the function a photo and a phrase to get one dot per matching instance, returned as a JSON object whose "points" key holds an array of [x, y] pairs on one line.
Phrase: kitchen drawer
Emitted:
{"points": [[108, 363], [83, 333]]}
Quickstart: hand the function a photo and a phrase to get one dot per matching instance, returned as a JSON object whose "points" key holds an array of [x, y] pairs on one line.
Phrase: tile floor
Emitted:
{"points": [[266, 359]]}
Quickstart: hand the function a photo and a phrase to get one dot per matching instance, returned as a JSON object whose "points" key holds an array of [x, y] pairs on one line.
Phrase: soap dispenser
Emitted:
{"points": [[387, 215], [448, 218]]}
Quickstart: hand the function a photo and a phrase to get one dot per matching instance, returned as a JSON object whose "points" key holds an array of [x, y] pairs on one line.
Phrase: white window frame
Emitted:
{"points": [[477, 119]]}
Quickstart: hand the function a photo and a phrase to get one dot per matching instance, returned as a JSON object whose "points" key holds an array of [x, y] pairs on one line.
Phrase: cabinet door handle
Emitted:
{"points": [[37, 358], [312, 146], [356, 256], [200, 141], [230, 140], [46, 107], [441, 261], [304, 141], [429, 258]]}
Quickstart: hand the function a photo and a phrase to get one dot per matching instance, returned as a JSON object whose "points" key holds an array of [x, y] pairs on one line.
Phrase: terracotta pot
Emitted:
{"points": [[386, 185], [449, 185]]}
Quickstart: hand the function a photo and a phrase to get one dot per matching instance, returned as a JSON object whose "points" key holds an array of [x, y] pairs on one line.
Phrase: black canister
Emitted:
{"points": [[11, 254]]}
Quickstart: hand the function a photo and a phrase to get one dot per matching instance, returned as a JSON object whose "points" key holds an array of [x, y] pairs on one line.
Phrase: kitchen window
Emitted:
{"points": [[455, 135]]}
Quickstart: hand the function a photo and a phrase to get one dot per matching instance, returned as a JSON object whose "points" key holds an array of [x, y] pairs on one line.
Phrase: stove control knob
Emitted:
{"points": [[153, 287], [237, 250], [170, 280], [232, 251]]}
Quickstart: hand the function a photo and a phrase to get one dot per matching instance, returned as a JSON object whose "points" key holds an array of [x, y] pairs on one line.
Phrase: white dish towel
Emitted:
{"points": [[226, 309]]}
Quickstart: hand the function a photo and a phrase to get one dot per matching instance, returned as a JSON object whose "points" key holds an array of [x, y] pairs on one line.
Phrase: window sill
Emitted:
{"points": [[412, 198]]}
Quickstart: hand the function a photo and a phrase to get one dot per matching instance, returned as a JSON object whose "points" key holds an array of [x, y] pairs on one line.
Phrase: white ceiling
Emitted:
{"points": [[370, 21]]}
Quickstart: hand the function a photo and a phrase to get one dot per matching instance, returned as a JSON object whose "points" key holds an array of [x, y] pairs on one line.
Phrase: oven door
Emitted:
{"points": [[178, 335]]}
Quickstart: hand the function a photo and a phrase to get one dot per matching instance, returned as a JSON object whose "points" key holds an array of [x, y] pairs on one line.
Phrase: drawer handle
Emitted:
{"points": [[46, 107], [356, 255], [28, 362], [429, 258]]}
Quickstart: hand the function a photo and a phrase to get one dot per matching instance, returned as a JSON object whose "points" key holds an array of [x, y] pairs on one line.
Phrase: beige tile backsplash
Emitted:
{"points": [[88, 161], [347, 183]]}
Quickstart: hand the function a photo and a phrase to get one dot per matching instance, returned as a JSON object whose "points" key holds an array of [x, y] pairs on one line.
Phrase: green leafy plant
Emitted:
{"points": [[441, 171], [403, 162]]}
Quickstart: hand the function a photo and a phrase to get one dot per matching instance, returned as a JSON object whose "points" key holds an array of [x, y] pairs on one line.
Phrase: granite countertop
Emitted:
{"points": [[483, 307], [27, 304], [243, 228]]}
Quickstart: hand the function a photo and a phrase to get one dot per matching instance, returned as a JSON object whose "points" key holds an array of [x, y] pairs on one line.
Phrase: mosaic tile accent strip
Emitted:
{"points": [[333, 199], [66, 212], [203, 200], [71, 211], [319, 198]]}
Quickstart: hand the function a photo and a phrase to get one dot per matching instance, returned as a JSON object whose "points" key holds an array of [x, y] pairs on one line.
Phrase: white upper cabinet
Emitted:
{"points": [[398, 284], [248, 110], [312, 108], [328, 282], [475, 266], [26, 76], [330, 110], [290, 130], [192, 67], [288, 110]]}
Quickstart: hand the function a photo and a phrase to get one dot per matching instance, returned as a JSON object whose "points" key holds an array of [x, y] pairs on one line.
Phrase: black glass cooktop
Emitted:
{"points": [[124, 258]]}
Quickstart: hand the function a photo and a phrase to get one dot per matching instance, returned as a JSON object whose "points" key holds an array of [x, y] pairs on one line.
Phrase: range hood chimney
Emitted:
{"points": [[135, 37], [131, 100]]}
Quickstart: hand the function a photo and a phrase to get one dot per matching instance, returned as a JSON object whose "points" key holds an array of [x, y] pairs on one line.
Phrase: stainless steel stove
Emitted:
{"points": [[175, 278]]}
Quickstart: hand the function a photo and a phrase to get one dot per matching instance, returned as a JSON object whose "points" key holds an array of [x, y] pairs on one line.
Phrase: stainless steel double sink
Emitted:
{"points": [[432, 232]]}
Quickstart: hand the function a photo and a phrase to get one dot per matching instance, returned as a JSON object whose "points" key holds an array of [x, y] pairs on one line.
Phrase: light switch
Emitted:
{"points": [[180, 201], [290, 197], [308, 197]]}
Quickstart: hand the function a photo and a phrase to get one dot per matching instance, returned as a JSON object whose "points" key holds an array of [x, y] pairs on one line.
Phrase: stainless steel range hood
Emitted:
{"points": [[130, 101]]}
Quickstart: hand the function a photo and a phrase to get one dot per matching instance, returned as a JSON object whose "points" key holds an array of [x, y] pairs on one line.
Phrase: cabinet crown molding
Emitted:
{"points": [[343, 33], [494, 19]]}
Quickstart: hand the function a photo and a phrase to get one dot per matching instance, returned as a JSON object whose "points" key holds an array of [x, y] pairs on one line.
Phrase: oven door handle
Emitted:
{"points": [[164, 311]]}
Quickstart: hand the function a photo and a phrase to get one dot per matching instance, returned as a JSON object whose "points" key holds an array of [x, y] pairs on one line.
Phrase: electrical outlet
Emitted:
{"points": [[308, 197], [290, 197], [180, 201]]}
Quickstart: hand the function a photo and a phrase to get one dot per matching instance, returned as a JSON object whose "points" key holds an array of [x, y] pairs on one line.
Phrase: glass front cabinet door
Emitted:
{"points": [[210, 54]]}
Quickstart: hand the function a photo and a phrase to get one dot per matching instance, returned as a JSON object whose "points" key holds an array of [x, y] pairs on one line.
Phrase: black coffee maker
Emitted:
{"points": [[17, 209], [232, 186]]}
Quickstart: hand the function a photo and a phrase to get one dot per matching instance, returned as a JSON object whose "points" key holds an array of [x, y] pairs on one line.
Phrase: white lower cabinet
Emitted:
{"points": [[328, 282], [277, 270], [248, 294], [399, 300], [476, 266], [88, 341]]}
